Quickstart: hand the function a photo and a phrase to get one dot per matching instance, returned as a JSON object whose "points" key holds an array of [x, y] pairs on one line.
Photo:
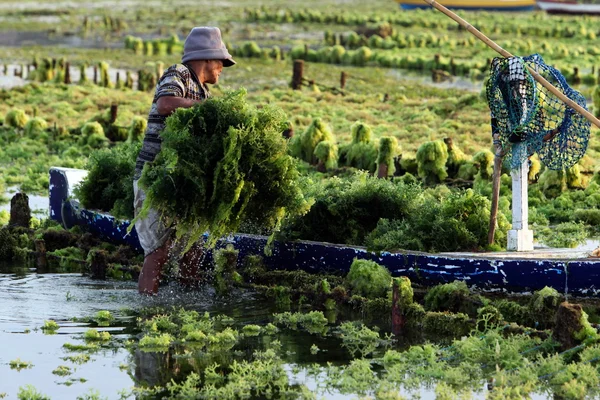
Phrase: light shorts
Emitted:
{"points": [[151, 230]]}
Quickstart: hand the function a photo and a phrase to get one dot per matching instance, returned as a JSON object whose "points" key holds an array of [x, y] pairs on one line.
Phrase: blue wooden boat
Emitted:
{"points": [[568, 7], [566, 271], [473, 5]]}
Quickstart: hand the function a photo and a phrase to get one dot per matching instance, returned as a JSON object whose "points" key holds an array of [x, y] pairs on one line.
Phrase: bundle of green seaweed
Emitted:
{"points": [[109, 184], [223, 162]]}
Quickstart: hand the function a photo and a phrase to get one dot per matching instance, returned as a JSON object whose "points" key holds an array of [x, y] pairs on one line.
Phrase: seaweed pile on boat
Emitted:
{"points": [[109, 184], [390, 214]]}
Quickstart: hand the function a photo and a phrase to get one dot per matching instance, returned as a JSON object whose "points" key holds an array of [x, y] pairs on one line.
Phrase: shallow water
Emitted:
{"points": [[27, 299], [39, 205], [457, 82], [41, 38], [9, 81]]}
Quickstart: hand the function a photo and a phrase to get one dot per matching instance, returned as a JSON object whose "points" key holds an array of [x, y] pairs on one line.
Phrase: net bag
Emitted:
{"points": [[525, 112]]}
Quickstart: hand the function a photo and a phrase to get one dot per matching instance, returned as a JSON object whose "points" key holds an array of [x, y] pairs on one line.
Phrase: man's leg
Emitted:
{"points": [[154, 239], [189, 266], [151, 270]]}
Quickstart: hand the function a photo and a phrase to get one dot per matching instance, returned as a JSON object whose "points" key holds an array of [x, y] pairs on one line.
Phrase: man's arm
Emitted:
{"points": [[167, 104]]}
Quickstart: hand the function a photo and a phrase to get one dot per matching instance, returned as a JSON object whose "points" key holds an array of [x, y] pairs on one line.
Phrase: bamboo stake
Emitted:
{"points": [[495, 188], [589, 116]]}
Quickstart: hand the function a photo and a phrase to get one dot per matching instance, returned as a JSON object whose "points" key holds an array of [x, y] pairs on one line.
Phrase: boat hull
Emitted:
{"points": [[569, 8], [484, 5]]}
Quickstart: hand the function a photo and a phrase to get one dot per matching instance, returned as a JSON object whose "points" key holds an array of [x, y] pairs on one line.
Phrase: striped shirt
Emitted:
{"points": [[180, 81]]}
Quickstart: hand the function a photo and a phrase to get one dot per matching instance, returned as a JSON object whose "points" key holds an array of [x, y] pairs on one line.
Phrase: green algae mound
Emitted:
{"points": [[369, 279], [109, 185]]}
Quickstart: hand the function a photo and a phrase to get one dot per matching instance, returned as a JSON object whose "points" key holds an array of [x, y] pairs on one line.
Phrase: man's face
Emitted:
{"points": [[213, 70]]}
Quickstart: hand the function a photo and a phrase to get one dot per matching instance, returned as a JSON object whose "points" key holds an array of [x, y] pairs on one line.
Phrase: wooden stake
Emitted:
{"points": [[139, 81], [343, 78], [382, 171], [297, 74], [589, 116], [98, 264], [95, 75], [67, 73], [576, 78], [20, 212], [398, 317], [41, 261], [495, 188], [114, 108]]}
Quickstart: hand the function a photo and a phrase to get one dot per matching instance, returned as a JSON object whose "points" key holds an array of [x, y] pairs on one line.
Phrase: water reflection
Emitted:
{"points": [[42, 38]]}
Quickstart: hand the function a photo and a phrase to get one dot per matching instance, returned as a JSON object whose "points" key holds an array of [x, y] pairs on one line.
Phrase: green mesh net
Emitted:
{"points": [[531, 119]]}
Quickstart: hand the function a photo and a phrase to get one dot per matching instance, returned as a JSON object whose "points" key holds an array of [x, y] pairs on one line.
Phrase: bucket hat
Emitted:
{"points": [[205, 43]]}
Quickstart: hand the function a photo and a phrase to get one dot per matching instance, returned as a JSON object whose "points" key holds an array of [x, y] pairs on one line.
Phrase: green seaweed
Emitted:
{"points": [[62, 370], [223, 162], [388, 150], [94, 335], [35, 127], [543, 305], [452, 297], [103, 318], [447, 324], [485, 160], [155, 342], [16, 119], [29, 392], [369, 279], [361, 152], [303, 145], [327, 154], [225, 261], [431, 160], [109, 184], [359, 339], [18, 364], [137, 129], [314, 322], [50, 327]]}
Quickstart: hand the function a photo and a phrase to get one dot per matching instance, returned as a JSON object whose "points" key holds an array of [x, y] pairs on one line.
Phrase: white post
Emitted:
{"points": [[520, 238]]}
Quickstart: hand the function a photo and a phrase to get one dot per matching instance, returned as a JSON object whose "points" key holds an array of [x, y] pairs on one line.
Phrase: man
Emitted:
{"points": [[182, 85]]}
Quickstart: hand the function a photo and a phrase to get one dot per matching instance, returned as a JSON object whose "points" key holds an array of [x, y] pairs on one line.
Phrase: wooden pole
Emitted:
{"points": [[495, 188], [588, 115], [520, 237], [576, 77], [343, 78], [95, 75], [139, 81], [41, 261], [67, 73], [382, 171], [398, 309], [297, 74], [114, 109], [98, 264]]}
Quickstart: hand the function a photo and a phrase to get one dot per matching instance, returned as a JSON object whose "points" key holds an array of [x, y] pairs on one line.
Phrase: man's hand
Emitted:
{"points": [[167, 104]]}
